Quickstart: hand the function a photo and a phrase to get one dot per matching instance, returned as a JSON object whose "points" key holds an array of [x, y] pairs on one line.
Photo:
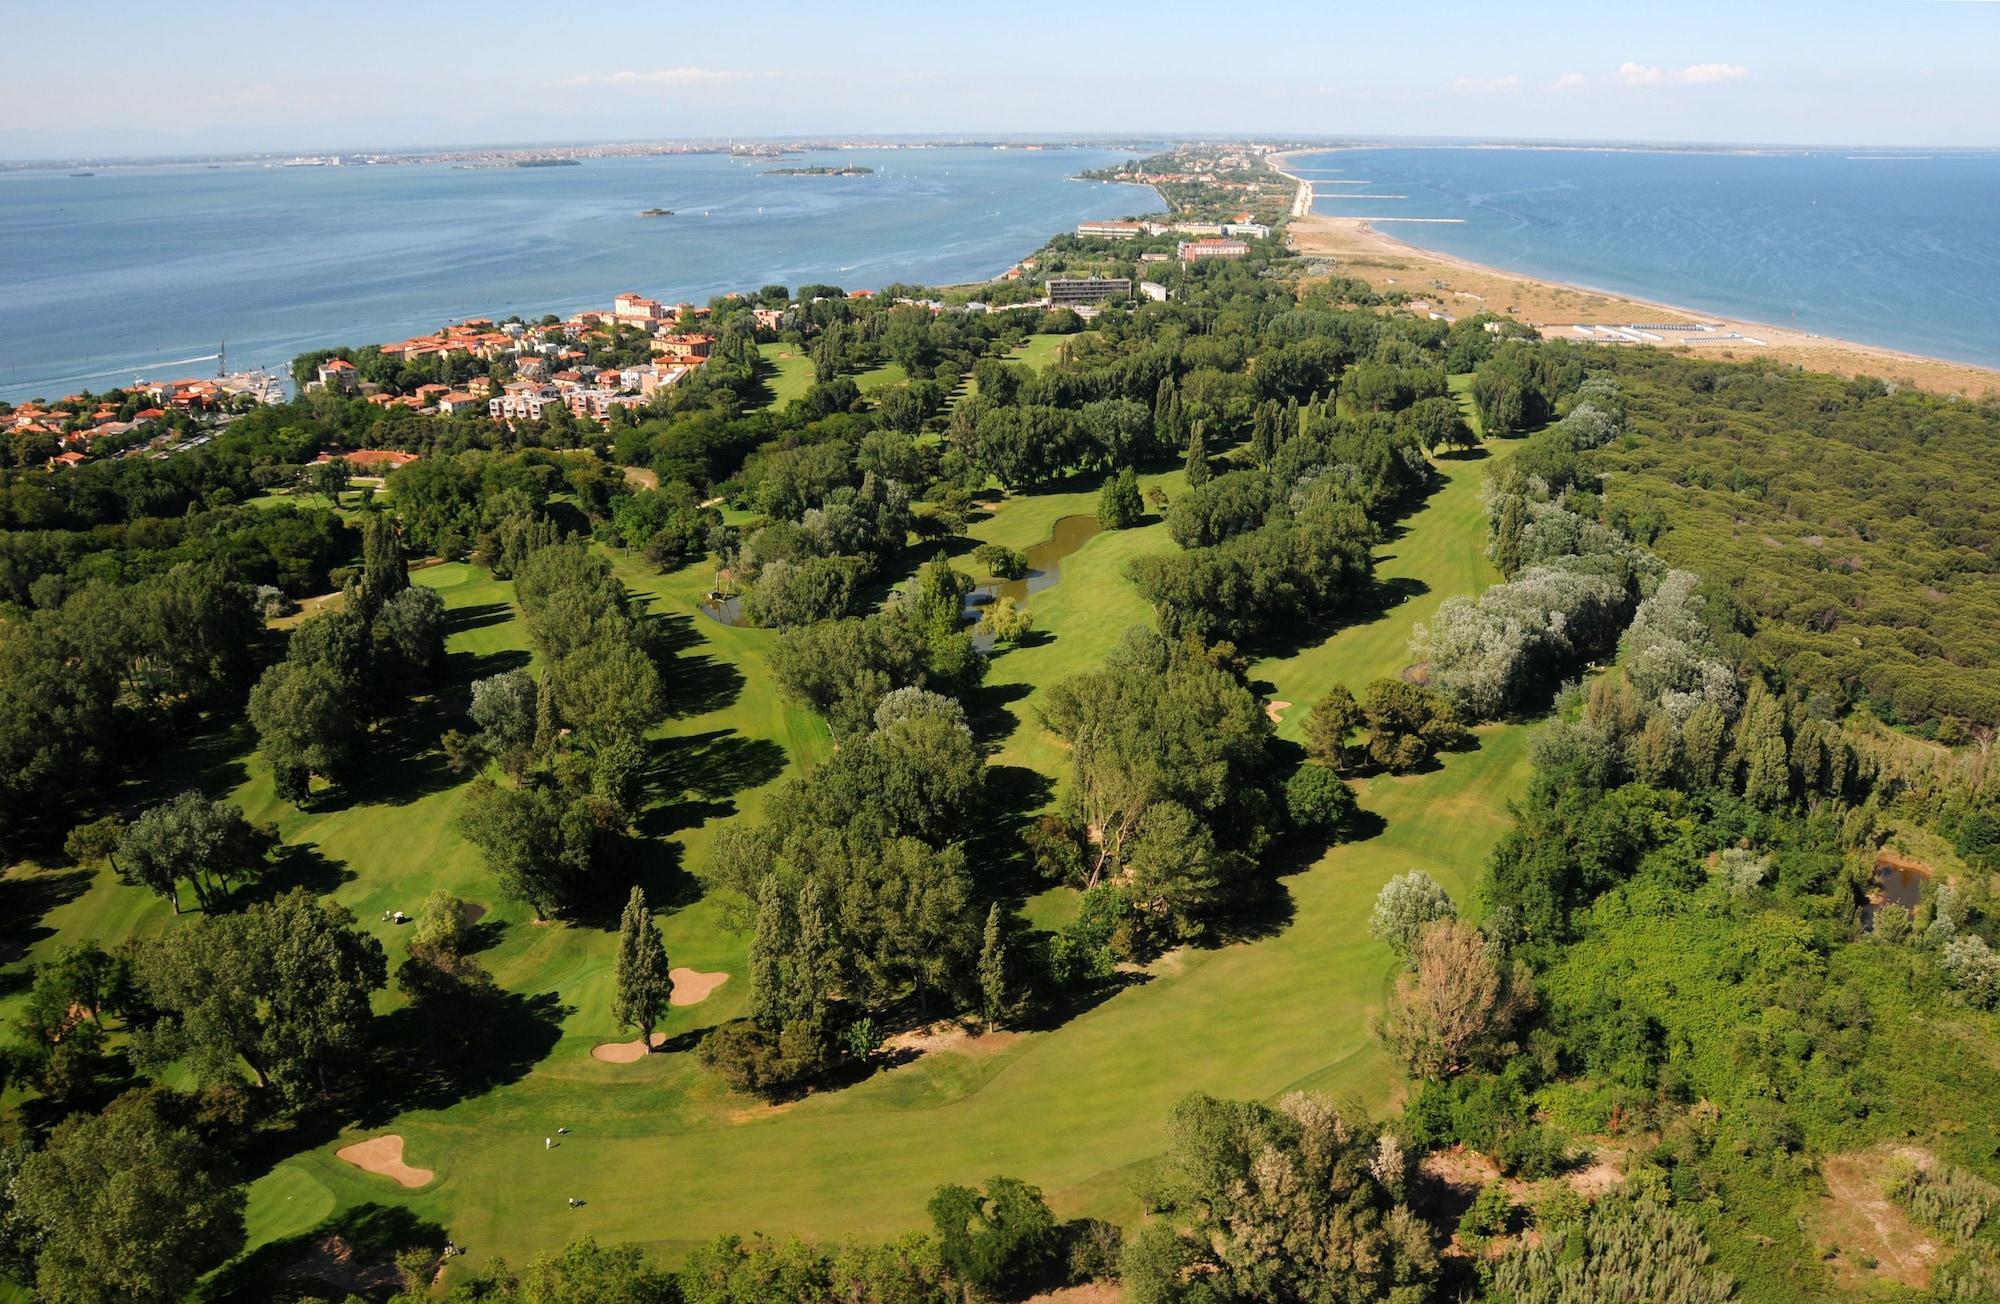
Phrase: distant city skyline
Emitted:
{"points": [[221, 76]]}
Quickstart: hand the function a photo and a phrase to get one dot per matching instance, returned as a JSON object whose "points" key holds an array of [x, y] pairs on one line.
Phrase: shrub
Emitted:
{"points": [[1119, 505], [1948, 1199], [1405, 904], [1002, 561], [1489, 1215], [1317, 800]]}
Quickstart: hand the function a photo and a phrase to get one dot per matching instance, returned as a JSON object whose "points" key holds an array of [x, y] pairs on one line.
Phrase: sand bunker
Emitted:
{"points": [[625, 1052], [384, 1155], [692, 986], [1276, 710]]}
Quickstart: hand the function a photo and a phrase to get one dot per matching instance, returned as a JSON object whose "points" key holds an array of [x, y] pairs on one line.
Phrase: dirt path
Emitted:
{"points": [[384, 1155]]}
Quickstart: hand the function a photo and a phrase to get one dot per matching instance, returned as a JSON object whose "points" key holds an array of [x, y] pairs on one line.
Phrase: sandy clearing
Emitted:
{"points": [[625, 1052], [1861, 1221], [1886, 859], [692, 986], [384, 1155], [948, 1036], [1276, 710]]}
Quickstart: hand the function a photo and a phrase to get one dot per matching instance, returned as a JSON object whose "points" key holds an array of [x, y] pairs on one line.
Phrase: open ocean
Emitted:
{"points": [[143, 270], [1896, 248]]}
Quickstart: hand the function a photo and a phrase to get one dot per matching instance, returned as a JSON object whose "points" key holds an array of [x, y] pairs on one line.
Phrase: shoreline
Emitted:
{"points": [[1361, 249]]}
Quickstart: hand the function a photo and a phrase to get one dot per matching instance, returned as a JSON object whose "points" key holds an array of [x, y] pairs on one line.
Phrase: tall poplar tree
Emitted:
{"points": [[643, 979], [993, 970], [1197, 456]]}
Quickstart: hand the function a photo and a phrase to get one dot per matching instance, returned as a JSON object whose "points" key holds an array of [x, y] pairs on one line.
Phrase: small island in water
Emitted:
{"points": [[851, 170]]}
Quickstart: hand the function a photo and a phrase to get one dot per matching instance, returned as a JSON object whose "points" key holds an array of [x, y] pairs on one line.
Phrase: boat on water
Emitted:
{"points": [[656, 212], [83, 174]]}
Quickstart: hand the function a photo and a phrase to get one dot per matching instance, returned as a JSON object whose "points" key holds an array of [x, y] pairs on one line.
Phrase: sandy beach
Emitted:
{"points": [[1458, 288]]}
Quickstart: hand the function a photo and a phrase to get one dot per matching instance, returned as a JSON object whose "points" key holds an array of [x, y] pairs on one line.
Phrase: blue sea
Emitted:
{"points": [[1893, 248], [145, 270]]}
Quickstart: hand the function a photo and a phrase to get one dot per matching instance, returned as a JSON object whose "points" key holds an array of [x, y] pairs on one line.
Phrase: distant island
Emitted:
{"points": [[656, 212], [851, 170], [548, 163]]}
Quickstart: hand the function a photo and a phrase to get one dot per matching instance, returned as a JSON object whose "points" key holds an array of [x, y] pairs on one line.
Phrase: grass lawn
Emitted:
{"points": [[666, 1156], [1039, 350], [791, 373], [889, 373]]}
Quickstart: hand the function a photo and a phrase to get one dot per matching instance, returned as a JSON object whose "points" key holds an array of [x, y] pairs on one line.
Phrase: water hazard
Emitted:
{"points": [[1044, 568], [1044, 561], [1899, 881]]}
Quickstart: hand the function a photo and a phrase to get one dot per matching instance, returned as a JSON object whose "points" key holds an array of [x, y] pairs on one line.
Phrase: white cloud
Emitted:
{"points": [[657, 77], [1711, 72], [1570, 81], [1507, 83], [1696, 74]]}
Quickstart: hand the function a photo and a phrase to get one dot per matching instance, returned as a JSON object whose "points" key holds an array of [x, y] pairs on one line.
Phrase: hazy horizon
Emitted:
{"points": [[374, 76]]}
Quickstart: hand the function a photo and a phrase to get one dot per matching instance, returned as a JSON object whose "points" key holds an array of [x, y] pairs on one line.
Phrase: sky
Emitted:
{"points": [[214, 76]]}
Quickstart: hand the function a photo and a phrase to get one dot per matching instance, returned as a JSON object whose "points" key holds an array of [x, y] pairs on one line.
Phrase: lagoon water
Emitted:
{"points": [[1892, 248], [143, 270]]}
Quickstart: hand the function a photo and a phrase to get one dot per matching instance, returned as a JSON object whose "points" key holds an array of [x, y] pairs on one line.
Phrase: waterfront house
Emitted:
{"points": [[1111, 230]]}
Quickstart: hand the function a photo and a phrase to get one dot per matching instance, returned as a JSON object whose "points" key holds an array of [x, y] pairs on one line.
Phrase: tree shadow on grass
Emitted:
{"points": [[483, 615], [25, 897], [700, 685], [405, 763], [695, 778], [1053, 1010], [1365, 608], [987, 709], [462, 668], [433, 1056], [996, 845], [295, 865], [659, 868], [352, 1254]]}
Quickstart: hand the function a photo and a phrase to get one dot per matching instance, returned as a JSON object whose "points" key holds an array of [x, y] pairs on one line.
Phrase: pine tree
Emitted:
{"points": [[993, 970], [643, 979], [1197, 456]]}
